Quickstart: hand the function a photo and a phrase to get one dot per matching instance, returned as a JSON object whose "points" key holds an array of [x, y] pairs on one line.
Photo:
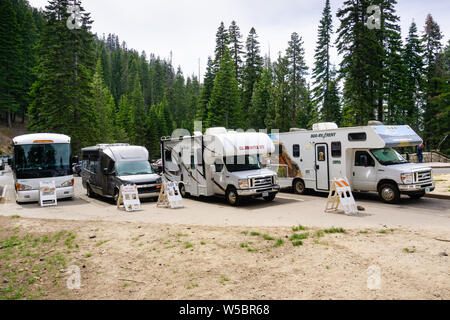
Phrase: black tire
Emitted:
{"points": [[270, 197], [89, 191], [115, 196], [183, 192], [416, 195], [232, 196], [389, 193], [299, 186]]}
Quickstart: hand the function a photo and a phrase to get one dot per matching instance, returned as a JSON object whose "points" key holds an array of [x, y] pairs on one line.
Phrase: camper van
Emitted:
{"points": [[220, 162], [105, 167], [311, 159], [41, 157]]}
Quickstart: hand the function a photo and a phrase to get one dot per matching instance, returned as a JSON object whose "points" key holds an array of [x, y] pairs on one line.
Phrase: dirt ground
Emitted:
{"points": [[127, 260], [442, 183]]}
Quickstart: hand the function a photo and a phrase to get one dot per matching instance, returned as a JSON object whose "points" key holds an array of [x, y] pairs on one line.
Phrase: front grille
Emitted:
{"points": [[422, 176], [261, 181], [147, 190]]}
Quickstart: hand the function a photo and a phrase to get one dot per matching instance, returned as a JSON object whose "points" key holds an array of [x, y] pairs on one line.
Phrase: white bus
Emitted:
{"points": [[42, 157]]}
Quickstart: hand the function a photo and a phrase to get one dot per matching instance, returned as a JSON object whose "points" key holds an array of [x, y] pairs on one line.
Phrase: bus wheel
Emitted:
{"points": [[389, 193], [232, 196], [182, 189], [299, 186]]}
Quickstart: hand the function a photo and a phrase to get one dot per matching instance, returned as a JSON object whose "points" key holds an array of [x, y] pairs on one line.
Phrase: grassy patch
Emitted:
{"points": [[253, 233], [267, 237], [382, 231], [88, 255], [243, 245], [297, 243], [299, 228], [15, 216], [278, 243], [202, 243], [299, 236], [408, 250], [245, 232], [252, 249], [192, 286], [223, 279], [334, 230], [188, 245], [363, 231]]}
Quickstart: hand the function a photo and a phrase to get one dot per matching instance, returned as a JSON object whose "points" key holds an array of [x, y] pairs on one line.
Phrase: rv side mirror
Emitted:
{"points": [[212, 168]]}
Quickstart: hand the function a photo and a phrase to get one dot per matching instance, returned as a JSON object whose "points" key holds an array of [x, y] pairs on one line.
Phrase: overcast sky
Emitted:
{"points": [[188, 28]]}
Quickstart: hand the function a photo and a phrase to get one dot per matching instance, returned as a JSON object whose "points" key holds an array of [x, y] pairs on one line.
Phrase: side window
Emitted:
{"points": [[357, 136], [192, 162], [168, 155], [321, 153], [219, 166], [296, 150], [107, 163], [336, 149], [362, 157]]}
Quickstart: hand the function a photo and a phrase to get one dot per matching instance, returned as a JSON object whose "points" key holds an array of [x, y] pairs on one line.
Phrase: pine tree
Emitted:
{"points": [[280, 117], [205, 94], [62, 93], [151, 129], [103, 102], [297, 82], [414, 78], [136, 99], [261, 100], [236, 46], [432, 44], [9, 65], [222, 42], [322, 67], [252, 69], [224, 108]]}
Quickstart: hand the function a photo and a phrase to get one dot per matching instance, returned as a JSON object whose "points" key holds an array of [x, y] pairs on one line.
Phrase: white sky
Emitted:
{"points": [[188, 28]]}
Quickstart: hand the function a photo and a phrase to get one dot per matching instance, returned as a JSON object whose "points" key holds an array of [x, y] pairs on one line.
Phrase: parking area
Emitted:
{"points": [[286, 210]]}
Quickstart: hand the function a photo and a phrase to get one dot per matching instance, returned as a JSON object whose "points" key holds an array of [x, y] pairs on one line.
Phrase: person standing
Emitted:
{"points": [[420, 152]]}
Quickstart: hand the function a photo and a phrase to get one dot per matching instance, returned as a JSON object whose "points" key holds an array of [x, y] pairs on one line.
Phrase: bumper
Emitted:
{"points": [[257, 191], [148, 194], [33, 195], [416, 188]]}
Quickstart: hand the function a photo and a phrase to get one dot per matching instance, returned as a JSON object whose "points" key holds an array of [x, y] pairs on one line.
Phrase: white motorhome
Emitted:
{"points": [[220, 162], [311, 159], [42, 157]]}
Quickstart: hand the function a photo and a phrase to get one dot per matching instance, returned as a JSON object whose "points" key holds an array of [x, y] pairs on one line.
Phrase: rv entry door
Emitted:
{"points": [[321, 167]]}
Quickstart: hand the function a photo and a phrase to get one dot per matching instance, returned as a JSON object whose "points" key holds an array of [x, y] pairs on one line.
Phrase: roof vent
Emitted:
{"points": [[374, 123], [296, 129], [324, 126]]}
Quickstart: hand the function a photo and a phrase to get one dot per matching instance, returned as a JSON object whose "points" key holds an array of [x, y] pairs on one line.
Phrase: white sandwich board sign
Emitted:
{"points": [[170, 195], [128, 195], [47, 194], [341, 193]]}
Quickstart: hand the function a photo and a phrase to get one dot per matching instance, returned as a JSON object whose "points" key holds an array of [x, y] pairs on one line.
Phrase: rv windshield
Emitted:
{"points": [[242, 163], [129, 168], [388, 156], [32, 161]]}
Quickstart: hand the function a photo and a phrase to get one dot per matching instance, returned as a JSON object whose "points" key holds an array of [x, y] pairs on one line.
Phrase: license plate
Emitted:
{"points": [[265, 194], [427, 189]]}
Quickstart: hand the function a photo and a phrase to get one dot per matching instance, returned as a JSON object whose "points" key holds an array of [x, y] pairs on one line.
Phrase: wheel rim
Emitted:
{"points": [[182, 191], [299, 187], [388, 193], [89, 192], [232, 197]]}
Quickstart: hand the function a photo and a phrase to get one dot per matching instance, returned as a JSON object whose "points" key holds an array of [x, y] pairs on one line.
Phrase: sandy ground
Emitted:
{"points": [[442, 183], [207, 251], [156, 261]]}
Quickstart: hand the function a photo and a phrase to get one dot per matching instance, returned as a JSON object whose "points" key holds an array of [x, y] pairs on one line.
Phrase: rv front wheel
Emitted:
{"points": [[182, 190], [389, 193], [89, 192], [299, 186], [232, 196]]}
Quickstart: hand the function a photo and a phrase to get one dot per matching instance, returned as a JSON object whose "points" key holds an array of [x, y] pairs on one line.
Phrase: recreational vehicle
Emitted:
{"points": [[221, 162], [365, 155], [105, 167], [41, 157]]}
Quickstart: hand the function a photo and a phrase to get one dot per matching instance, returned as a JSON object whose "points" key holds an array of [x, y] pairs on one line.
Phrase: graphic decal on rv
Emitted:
{"points": [[287, 167]]}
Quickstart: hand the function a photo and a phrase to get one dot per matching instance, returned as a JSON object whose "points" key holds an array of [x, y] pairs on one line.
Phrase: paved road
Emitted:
{"points": [[288, 209]]}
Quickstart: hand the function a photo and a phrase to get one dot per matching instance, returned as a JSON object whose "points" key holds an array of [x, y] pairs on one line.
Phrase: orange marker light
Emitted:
{"points": [[43, 141]]}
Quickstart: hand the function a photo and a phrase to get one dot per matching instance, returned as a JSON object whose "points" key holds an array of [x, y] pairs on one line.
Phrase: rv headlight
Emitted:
{"points": [[67, 183], [407, 178], [23, 187], [243, 183], [275, 179]]}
